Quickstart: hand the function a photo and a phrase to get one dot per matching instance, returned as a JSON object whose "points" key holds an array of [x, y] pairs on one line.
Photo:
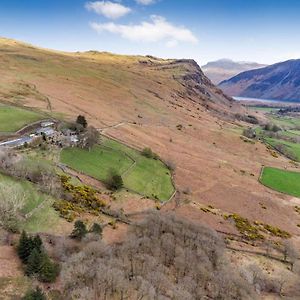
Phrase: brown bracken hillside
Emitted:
{"points": [[168, 105]]}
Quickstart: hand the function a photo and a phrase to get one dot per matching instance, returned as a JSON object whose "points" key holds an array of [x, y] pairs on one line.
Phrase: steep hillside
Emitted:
{"points": [[279, 81], [91, 81], [223, 69], [168, 105]]}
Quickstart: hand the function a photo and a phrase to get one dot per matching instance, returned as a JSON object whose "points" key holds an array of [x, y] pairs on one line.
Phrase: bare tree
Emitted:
{"points": [[290, 253], [12, 200], [163, 258], [89, 138]]}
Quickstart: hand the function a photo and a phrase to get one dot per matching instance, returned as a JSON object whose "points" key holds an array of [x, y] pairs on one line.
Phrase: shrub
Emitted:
{"points": [[249, 133], [97, 229], [170, 165], [147, 152], [36, 294], [244, 226], [113, 223], [277, 231], [114, 182], [272, 127], [247, 118], [79, 230]]}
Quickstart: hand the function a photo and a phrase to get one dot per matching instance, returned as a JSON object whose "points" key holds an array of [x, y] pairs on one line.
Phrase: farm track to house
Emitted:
{"points": [[29, 127], [89, 180]]}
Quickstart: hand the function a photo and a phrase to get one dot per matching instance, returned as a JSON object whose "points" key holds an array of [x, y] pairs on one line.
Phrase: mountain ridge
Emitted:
{"points": [[223, 69], [280, 81], [182, 78]]}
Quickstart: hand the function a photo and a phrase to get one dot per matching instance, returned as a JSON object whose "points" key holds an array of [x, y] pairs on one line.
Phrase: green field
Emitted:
{"points": [[292, 147], [97, 163], [286, 122], [293, 133], [146, 176], [263, 109], [14, 118], [282, 181], [44, 218]]}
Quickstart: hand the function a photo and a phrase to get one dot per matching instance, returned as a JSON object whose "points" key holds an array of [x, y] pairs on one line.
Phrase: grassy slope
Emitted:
{"points": [[293, 147], [45, 217], [292, 133], [13, 118], [287, 122], [90, 82], [282, 181], [97, 163], [148, 177], [263, 109]]}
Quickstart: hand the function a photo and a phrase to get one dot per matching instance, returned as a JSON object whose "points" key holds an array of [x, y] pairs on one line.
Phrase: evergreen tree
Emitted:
{"points": [[35, 262], [49, 271], [79, 230], [25, 247], [115, 182], [36, 294], [37, 243], [97, 229], [82, 121]]}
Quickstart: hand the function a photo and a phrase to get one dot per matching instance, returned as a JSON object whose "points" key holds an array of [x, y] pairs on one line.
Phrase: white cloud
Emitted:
{"points": [[108, 9], [172, 43], [156, 30], [145, 2]]}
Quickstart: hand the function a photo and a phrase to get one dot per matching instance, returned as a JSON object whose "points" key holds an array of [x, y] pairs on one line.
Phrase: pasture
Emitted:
{"points": [[293, 148], [14, 118], [44, 217], [283, 181], [143, 175]]}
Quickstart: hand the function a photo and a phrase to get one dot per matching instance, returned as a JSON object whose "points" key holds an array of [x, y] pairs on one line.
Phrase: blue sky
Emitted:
{"points": [[265, 31]]}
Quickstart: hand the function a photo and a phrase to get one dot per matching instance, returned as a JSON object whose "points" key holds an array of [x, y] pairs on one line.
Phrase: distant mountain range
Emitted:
{"points": [[280, 81], [224, 69]]}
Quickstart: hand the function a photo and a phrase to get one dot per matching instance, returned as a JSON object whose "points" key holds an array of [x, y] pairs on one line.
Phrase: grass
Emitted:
{"points": [[148, 177], [263, 109], [45, 218], [32, 197], [14, 118], [97, 163], [286, 122], [294, 133], [294, 148], [283, 181]]}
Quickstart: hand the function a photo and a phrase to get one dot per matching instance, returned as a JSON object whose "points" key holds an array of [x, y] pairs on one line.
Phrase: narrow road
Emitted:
{"points": [[103, 129]]}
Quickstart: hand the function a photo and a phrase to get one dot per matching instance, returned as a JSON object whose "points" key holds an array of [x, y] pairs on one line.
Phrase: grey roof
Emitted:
{"points": [[47, 131], [47, 123], [17, 142]]}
